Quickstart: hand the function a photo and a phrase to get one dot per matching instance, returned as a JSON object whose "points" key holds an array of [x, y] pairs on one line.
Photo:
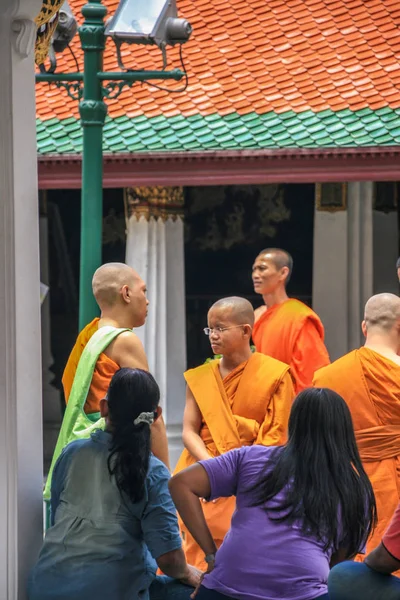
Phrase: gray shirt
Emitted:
{"points": [[101, 545]]}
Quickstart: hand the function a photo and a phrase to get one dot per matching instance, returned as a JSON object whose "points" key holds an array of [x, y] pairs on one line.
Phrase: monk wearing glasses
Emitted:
{"points": [[240, 399]]}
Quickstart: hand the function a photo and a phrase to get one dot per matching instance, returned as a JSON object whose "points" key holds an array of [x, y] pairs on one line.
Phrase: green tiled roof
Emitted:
{"points": [[251, 131]]}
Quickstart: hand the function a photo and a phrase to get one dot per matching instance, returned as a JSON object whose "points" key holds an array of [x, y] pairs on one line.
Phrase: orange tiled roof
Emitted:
{"points": [[261, 57]]}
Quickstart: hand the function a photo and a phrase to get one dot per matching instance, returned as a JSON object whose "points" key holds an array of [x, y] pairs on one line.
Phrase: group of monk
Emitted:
{"points": [[243, 397]]}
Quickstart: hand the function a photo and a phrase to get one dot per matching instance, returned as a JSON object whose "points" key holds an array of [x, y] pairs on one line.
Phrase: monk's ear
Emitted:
{"points": [[284, 273], [125, 294], [364, 328], [247, 330]]}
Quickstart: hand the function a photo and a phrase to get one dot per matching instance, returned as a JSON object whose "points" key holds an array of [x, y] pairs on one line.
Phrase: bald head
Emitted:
{"points": [[108, 281], [239, 310], [280, 258], [382, 312]]}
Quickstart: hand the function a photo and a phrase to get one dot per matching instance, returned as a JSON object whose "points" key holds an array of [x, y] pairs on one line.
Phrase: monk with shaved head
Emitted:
{"points": [[369, 381], [285, 328], [237, 400], [105, 345]]}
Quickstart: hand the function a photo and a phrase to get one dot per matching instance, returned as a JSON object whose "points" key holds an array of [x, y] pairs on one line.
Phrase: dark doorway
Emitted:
{"points": [[225, 228]]}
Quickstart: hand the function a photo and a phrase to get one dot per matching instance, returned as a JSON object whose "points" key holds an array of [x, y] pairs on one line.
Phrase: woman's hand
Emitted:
{"points": [[210, 567], [193, 577]]}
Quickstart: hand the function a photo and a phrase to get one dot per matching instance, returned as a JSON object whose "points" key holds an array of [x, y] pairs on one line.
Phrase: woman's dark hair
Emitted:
{"points": [[326, 487], [131, 392]]}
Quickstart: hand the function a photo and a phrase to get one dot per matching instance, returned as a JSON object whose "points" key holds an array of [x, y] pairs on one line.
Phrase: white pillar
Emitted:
{"points": [[343, 268], [21, 473], [51, 396], [155, 248]]}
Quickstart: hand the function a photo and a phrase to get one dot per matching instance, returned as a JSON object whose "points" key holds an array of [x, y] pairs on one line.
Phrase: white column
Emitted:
{"points": [[21, 475], [51, 396], [155, 248], [343, 268]]}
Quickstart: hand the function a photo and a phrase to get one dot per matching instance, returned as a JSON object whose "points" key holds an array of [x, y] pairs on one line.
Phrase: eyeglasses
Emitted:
{"points": [[209, 330]]}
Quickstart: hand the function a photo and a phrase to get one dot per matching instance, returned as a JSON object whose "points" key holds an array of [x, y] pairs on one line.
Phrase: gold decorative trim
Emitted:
{"points": [[46, 23], [331, 197], [154, 202]]}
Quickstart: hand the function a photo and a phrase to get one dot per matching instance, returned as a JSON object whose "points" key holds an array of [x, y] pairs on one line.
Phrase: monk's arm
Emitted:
{"points": [[273, 431], [309, 355], [127, 351], [191, 428]]}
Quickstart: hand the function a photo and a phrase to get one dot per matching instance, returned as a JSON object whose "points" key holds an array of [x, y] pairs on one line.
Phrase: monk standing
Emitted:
{"points": [[104, 346], [285, 328], [238, 400], [369, 381]]}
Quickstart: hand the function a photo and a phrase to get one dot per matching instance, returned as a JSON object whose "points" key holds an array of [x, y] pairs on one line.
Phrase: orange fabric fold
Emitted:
{"points": [[293, 333], [103, 373], [370, 385], [378, 443], [251, 405]]}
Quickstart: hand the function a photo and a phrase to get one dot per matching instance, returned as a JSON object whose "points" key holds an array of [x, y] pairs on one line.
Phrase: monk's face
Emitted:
{"points": [[266, 277], [234, 335], [136, 301]]}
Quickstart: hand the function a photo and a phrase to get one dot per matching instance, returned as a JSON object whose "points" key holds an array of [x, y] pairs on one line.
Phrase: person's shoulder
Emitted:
{"points": [[268, 362], [157, 471], [300, 309], [127, 350], [76, 447], [254, 457], [128, 339], [207, 366], [337, 366], [259, 311]]}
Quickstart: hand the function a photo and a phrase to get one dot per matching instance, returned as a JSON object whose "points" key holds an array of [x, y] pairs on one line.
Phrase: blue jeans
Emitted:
{"points": [[356, 581], [166, 588], [206, 594]]}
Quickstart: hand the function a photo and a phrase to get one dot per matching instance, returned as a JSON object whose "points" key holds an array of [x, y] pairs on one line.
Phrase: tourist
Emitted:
{"points": [[112, 518], [301, 508]]}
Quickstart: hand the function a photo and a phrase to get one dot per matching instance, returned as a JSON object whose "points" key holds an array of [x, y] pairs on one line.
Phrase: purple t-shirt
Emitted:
{"points": [[261, 559]]}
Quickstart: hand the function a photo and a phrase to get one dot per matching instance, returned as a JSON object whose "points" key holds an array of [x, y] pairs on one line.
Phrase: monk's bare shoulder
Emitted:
{"points": [[127, 351], [259, 312]]}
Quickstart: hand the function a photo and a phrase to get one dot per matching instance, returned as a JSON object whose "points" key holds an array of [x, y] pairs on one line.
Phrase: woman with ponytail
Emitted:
{"points": [[113, 521]]}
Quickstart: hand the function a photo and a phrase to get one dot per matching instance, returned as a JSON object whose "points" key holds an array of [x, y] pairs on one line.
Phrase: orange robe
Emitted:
{"points": [[105, 369], [293, 333], [370, 385], [251, 405]]}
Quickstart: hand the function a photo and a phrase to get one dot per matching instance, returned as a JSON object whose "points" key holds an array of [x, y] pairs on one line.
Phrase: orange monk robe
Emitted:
{"points": [[293, 333], [251, 405], [104, 370], [370, 385]]}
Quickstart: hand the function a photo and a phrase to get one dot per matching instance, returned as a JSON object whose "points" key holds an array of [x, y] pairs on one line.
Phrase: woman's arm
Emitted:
{"points": [[191, 428], [186, 488]]}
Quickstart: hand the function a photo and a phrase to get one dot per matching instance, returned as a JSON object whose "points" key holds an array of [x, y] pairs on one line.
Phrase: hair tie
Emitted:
{"points": [[144, 417]]}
